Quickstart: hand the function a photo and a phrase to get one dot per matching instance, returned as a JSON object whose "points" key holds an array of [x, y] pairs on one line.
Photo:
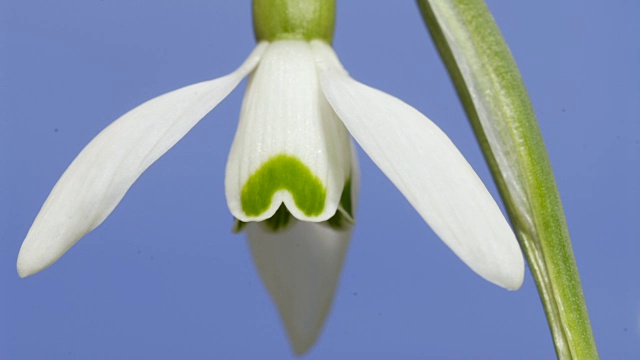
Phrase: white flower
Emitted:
{"points": [[291, 177]]}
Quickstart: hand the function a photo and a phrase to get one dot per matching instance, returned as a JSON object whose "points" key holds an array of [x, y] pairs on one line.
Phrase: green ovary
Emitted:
{"points": [[283, 172]]}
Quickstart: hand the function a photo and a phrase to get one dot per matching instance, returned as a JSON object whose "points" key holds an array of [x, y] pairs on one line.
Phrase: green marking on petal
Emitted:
{"points": [[279, 220], [283, 172], [344, 215], [238, 226]]}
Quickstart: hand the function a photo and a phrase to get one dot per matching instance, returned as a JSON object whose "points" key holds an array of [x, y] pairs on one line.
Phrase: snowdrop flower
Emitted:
{"points": [[291, 178]]}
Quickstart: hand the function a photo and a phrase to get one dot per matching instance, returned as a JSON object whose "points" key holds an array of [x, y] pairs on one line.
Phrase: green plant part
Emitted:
{"points": [[294, 19], [282, 217], [344, 215], [494, 96], [283, 172]]}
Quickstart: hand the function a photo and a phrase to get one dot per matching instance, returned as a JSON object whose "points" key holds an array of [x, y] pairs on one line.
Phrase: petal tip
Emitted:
{"points": [[25, 267], [511, 276], [517, 279], [23, 274], [302, 333], [301, 346], [513, 284], [31, 259]]}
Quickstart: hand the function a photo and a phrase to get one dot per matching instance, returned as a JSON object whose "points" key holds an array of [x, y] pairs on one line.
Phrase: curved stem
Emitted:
{"points": [[495, 99]]}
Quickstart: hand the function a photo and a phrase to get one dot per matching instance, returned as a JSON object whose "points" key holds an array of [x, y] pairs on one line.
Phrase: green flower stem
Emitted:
{"points": [[294, 19], [495, 99]]}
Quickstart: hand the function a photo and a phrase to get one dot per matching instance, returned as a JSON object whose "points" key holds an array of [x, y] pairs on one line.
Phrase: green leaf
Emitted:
{"points": [[495, 99]]}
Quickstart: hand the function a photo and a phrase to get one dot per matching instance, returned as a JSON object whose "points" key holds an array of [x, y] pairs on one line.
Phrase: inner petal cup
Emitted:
{"points": [[290, 147]]}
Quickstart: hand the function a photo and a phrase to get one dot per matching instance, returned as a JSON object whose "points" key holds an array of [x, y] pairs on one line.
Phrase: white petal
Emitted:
{"points": [[290, 146], [300, 267], [428, 169], [101, 174]]}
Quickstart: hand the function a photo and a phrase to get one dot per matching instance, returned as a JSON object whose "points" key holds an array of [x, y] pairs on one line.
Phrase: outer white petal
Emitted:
{"points": [[285, 113], [101, 174], [428, 169], [300, 267]]}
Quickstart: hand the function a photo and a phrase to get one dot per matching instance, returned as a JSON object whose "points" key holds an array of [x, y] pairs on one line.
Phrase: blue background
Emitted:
{"points": [[164, 277]]}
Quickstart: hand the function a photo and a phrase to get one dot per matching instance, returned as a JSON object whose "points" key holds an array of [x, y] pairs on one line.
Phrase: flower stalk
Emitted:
{"points": [[294, 19], [493, 94]]}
